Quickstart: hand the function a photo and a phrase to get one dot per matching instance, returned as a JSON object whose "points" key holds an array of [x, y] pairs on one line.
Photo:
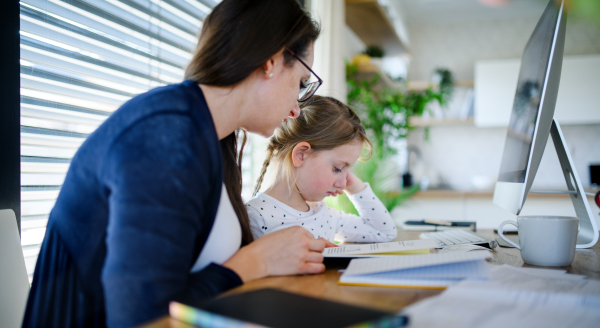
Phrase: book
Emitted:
{"points": [[417, 271], [275, 308], [406, 247]]}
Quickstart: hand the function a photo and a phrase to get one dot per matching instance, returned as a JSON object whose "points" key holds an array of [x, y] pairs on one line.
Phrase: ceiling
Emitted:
{"points": [[454, 11]]}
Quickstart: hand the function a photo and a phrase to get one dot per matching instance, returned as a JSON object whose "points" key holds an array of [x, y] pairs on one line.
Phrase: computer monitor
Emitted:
{"points": [[532, 121], [533, 109]]}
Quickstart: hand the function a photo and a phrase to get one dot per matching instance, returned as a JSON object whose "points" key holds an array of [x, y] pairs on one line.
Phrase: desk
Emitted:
{"points": [[325, 285]]}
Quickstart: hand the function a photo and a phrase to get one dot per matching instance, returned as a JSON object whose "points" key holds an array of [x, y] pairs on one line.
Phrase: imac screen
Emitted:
{"points": [[521, 128]]}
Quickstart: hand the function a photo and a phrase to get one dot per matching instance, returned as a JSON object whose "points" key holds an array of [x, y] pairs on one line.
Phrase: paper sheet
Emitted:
{"points": [[532, 279], [514, 297], [393, 263], [431, 276], [353, 256], [363, 249]]}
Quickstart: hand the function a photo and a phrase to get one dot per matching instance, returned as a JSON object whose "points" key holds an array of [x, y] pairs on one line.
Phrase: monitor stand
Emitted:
{"points": [[588, 230]]}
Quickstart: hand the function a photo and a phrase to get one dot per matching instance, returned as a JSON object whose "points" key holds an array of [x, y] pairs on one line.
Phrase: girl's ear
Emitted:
{"points": [[300, 153]]}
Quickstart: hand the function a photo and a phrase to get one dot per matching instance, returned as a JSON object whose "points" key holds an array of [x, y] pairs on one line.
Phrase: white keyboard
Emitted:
{"points": [[458, 237]]}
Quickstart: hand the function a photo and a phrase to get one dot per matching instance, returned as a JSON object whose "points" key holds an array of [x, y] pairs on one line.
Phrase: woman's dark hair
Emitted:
{"points": [[237, 38]]}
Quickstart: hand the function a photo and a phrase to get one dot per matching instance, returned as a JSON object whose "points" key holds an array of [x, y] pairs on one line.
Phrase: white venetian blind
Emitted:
{"points": [[80, 60]]}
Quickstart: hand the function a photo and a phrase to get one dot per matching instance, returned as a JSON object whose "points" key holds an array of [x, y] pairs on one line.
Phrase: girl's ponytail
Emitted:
{"points": [[263, 170], [324, 122]]}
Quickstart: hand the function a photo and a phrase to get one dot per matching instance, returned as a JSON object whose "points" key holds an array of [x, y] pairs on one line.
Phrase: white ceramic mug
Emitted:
{"points": [[545, 240]]}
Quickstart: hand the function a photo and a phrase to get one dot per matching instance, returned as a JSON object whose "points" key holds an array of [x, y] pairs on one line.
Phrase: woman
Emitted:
{"points": [[145, 213]]}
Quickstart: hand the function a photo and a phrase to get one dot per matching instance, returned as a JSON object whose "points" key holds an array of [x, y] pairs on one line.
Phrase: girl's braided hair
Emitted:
{"points": [[324, 122]]}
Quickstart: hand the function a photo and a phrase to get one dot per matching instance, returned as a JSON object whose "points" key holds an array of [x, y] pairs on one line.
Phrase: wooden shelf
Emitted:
{"points": [[420, 122], [422, 85], [368, 71], [451, 193], [371, 24]]}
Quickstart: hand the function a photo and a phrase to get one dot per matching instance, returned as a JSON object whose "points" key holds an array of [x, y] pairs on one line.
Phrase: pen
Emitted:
{"points": [[435, 222]]}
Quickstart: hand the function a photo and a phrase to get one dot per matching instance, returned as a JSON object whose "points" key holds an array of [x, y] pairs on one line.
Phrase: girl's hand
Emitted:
{"points": [[289, 251], [354, 184]]}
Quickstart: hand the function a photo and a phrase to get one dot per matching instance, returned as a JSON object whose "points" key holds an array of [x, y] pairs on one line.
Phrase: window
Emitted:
{"points": [[80, 60]]}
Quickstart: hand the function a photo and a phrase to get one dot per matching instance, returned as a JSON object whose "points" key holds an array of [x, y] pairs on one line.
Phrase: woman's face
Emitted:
{"points": [[277, 96]]}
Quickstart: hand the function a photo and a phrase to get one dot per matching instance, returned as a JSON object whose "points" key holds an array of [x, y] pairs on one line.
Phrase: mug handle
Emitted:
{"points": [[501, 233]]}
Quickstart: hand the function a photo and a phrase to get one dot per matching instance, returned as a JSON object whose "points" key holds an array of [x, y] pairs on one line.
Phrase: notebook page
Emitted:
{"points": [[472, 269], [386, 281], [395, 246], [393, 263], [441, 275]]}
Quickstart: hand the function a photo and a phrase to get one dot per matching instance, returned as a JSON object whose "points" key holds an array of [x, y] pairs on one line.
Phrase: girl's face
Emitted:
{"points": [[277, 96], [322, 173]]}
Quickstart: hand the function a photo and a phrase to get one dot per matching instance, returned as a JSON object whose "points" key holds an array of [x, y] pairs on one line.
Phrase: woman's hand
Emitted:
{"points": [[286, 252], [354, 184], [328, 243]]}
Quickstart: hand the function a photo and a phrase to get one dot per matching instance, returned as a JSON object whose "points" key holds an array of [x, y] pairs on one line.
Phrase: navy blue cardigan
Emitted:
{"points": [[134, 212]]}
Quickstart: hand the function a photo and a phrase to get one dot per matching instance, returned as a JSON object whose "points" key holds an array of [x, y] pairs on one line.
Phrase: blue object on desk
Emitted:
{"points": [[278, 309], [445, 223]]}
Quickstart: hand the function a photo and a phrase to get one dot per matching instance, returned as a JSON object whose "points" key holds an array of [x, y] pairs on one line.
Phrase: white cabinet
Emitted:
{"points": [[578, 100]]}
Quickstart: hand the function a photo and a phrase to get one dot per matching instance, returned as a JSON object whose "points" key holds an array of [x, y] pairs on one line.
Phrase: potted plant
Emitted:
{"points": [[376, 54], [385, 114]]}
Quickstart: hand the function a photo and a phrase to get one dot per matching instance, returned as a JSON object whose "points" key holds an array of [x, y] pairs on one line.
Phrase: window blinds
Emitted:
{"points": [[80, 60]]}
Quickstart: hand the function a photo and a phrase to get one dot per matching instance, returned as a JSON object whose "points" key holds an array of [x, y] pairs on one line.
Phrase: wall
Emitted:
{"points": [[353, 45], [463, 156], [458, 45]]}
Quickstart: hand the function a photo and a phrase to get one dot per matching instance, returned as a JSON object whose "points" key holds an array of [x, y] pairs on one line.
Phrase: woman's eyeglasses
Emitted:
{"points": [[307, 90]]}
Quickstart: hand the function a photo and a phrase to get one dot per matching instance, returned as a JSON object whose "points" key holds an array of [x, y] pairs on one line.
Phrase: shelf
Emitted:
{"points": [[371, 24], [452, 193], [422, 85], [368, 71], [420, 122]]}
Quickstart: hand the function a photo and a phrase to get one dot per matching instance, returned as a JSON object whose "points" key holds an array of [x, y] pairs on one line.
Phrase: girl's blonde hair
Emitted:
{"points": [[324, 122]]}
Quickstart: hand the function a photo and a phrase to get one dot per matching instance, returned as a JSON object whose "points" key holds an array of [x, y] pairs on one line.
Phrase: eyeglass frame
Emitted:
{"points": [[319, 80]]}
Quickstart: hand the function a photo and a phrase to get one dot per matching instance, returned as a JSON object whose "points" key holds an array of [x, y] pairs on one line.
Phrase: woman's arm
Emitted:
{"points": [[159, 175], [286, 252]]}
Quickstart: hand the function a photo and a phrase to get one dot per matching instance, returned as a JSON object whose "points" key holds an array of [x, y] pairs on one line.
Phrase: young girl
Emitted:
{"points": [[313, 155]]}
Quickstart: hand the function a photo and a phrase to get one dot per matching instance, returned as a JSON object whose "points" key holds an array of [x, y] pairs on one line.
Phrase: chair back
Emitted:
{"points": [[14, 284]]}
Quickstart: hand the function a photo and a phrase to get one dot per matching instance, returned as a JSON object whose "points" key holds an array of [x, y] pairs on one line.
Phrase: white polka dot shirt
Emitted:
{"points": [[374, 224]]}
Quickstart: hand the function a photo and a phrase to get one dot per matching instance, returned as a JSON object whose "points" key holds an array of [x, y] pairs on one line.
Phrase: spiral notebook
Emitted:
{"points": [[436, 271]]}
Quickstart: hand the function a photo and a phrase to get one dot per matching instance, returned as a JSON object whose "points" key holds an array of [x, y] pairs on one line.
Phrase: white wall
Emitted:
{"points": [[458, 153], [458, 45], [353, 44], [578, 100]]}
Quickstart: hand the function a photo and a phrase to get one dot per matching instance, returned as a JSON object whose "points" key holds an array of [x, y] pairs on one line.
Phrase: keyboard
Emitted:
{"points": [[458, 237]]}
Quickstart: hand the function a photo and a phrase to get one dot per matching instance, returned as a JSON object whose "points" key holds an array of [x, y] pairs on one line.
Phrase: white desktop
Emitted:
{"points": [[532, 121]]}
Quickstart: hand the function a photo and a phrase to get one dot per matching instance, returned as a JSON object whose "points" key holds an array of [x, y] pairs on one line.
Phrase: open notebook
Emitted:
{"points": [[406, 247], [417, 271]]}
